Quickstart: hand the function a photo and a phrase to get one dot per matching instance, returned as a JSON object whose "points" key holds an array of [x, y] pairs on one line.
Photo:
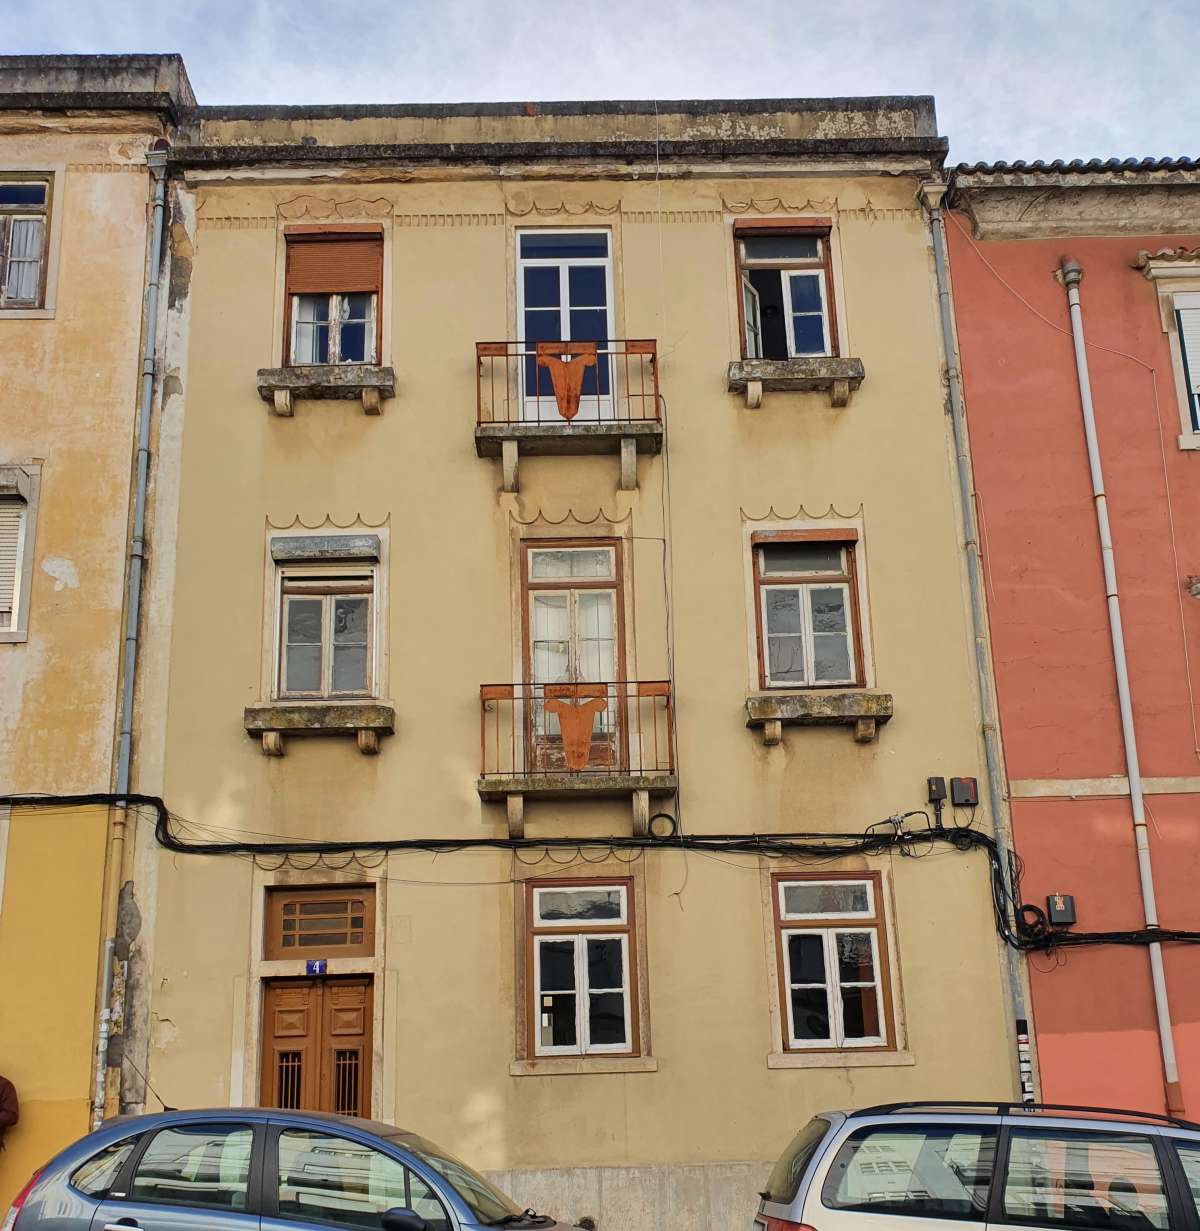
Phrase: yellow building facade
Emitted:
{"points": [[75, 190], [574, 479]]}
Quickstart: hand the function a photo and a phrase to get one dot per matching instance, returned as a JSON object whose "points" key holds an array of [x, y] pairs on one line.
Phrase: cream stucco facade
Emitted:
{"points": [[679, 1133]]}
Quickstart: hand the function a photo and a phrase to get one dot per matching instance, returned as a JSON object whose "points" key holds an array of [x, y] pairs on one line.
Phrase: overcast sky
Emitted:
{"points": [[1012, 78]]}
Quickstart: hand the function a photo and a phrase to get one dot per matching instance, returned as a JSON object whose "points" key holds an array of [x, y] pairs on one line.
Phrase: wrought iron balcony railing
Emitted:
{"points": [[581, 732], [567, 384]]}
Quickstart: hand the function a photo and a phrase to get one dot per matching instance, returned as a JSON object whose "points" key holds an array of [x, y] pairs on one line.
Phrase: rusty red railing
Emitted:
{"points": [[566, 383], [608, 728]]}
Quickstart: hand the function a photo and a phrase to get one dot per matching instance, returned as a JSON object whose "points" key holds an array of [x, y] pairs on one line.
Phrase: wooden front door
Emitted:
{"points": [[317, 1045]]}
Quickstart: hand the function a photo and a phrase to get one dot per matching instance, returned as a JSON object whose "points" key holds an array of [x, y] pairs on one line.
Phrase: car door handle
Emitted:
{"points": [[126, 1224]]}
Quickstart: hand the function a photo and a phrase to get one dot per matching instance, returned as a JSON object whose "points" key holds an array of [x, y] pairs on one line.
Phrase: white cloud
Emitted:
{"points": [[1014, 79]]}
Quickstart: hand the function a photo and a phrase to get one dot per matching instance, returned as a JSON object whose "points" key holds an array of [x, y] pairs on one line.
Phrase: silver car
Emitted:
{"points": [[938, 1166], [259, 1170]]}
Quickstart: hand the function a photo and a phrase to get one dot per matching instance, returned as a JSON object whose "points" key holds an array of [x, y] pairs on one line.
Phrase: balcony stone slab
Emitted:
{"points": [[369, 383], [275, 722], [858, 708], [754, 377]]}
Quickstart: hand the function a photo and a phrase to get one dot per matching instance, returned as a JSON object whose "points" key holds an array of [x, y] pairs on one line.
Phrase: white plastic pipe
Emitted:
{"points": [[1072, 273]]}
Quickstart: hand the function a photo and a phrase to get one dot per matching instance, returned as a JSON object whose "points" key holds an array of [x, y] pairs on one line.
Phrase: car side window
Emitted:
{"points": [[95, 1177], [921, 1171], [1189, 1157], [196, 1164], [343, 1183], [1076, 1178]]}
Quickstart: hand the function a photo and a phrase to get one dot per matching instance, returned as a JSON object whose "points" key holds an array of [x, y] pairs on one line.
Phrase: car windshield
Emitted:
{"points": [[485, 1201]]}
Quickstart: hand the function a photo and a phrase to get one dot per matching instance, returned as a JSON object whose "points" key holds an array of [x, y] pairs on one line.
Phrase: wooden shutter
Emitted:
{"points": [[12, 518], [329, 262]]}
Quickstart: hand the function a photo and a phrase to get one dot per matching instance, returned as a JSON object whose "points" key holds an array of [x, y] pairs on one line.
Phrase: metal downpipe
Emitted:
{"points": [[156, 160], [931, 195], [1072, 273]]}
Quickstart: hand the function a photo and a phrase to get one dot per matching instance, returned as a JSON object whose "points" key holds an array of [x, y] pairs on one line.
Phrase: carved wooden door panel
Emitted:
{"points": [[316, 1053]]}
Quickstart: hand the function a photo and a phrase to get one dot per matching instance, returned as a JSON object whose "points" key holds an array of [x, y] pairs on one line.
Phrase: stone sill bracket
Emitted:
{"points": [[863, 711], [754, 377], [281, 388], [515, 814], [273, 724]]}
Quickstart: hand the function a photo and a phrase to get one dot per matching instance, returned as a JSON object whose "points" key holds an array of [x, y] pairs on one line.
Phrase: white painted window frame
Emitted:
{"points": [[787, 916], [531, 406], [833, 986], [22, 482], [1177, 285], [790, 316], [569, 924], [351, 572], [803, 589], [751, 317], [583, 993], [335, 323]]}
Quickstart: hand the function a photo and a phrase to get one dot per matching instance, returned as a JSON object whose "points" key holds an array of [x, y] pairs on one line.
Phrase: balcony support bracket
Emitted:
{"points": [[272, 744], [641, 814], [510, 458], [772, 732], [754, 392], [516, 815], [628, 464], [282, 404], [372, 405]]}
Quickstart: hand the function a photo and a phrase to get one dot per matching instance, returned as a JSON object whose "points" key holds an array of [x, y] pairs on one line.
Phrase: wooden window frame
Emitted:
{"points": [[277, 897], [1189, 364], [627, 930], [327, 582], [828, 926], [9, 213], [819, 228], [847, 538], [365, 232]]}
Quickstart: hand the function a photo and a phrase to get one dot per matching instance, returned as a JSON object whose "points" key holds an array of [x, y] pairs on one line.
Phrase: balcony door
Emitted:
{"points": [[564, 295], [575, 657]]}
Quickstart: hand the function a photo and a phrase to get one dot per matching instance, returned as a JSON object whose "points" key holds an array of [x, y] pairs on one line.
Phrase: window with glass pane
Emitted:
{"points": [[786, 294], [326, 635], [832, 976], [196, 1164], [302, 923], [806, 612], [337, 328], [100, 1172], [1189, 1158], [935, 1171], [1084, 1179], [563, 295], [581, 978], [328, 1179], [24, 229]]}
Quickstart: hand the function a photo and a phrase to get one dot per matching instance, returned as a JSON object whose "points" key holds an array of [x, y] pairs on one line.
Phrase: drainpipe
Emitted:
{"points": [[1071, 273], [931, 197], [156, 161]]}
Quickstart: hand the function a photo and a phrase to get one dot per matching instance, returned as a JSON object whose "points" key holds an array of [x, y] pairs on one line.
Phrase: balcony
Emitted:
{"points": [[575, 740], [567, 397]]}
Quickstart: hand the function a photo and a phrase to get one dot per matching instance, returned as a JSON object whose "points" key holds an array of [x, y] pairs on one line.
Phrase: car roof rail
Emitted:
{"points": [[1004, 1109]]}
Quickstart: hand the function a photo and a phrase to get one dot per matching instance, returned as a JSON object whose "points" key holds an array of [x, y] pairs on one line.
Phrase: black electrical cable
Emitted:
{"points": [[1022, 927]]}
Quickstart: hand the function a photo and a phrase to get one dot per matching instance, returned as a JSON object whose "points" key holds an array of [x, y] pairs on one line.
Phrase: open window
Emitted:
{"points": [[19, 487], [334, 283], [786, 292], [24, 240]]}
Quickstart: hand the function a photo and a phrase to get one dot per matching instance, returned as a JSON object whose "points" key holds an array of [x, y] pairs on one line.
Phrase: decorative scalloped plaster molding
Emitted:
{"points": [[524, 204], [321, 209], [830, 513], [541, 519], [358, 520], [777, 205]]}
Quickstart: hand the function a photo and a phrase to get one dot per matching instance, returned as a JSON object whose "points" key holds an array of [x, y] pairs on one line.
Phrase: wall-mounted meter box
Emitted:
{"points": [[964, 792], [1060, 910]]}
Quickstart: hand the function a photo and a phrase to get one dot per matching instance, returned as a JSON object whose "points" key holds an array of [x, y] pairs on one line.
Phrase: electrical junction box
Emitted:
{"points": [[1060, 909], [937, 789], [964, 792]]}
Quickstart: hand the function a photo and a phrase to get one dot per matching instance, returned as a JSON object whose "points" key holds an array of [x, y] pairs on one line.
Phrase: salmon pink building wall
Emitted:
{"points": [[1092, 1006]]}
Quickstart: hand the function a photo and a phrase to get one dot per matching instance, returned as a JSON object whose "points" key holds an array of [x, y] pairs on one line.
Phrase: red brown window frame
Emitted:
{"points": [[7, 213], [280, 895], [848, 538], [822, 228], [877, 922], [629, 928], [321, 233]]}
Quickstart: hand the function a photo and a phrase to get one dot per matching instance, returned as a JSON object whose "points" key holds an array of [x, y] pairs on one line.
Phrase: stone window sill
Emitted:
{"points": [[281, 388], [549, 1066], [840, 1059], [1190, 442], [753, 377], [27, 314], [851, 707], [275, 722]]}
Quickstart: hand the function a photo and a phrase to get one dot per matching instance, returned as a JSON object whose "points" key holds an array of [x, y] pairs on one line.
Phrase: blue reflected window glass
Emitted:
{"points": [[809, 335], [541, 286], [16, 193], [541, 325], [591, 325], [806, 292], [781, 247], [546, 245], [587, 286]]}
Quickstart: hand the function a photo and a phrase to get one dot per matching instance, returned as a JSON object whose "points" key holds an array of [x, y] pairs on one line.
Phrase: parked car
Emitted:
{"points": [[259, 1170], [894, 1167]]}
